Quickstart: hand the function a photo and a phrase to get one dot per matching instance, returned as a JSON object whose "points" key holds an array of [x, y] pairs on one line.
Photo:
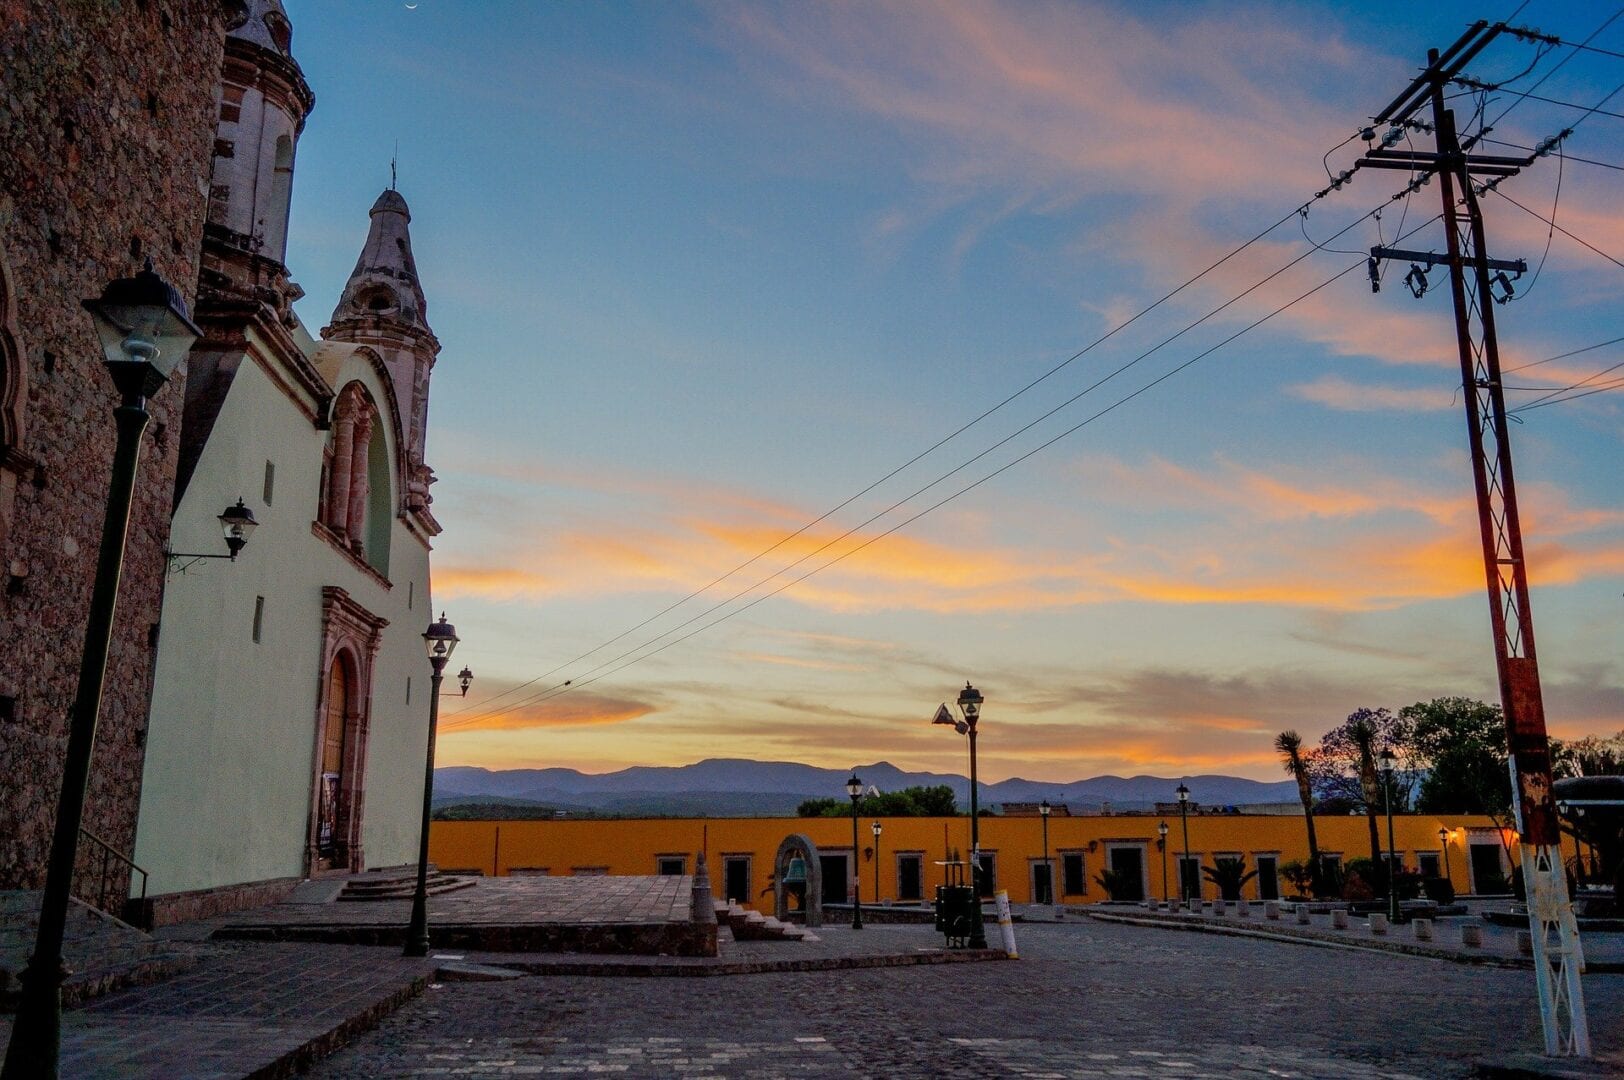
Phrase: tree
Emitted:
{"points": [[1229, 874], [1461, 743], [934, 801], [1345, 764], [1289, 745]]}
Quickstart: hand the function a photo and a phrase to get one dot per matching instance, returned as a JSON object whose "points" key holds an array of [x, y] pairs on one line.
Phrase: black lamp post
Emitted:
{"points": [[1443, 842], [465, 677], [440, 639], [854, 788], [145, 331], [875, 828], [969, 703], [1388, 760], [1161, 845], [1184, 820], [1048, 874]]}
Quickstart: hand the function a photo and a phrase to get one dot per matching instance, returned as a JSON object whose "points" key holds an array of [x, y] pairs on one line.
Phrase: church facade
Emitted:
{"points": [[266, 716], [291, 693]]}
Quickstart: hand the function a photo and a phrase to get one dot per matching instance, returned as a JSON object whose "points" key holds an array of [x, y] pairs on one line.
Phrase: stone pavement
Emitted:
{"points": [[623, 914], [243, 1011], [101, 953], [1087, 999]]}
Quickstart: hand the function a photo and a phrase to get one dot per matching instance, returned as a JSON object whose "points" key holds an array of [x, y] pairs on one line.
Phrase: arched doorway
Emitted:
{"points": [[331, 814]]}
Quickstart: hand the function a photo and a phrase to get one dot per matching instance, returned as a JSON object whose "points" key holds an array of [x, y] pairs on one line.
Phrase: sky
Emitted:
{"points": [[709, 278]]}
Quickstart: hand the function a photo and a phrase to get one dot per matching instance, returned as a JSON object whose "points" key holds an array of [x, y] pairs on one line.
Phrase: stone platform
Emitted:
{"points": [[101, 953], [648, 916]]}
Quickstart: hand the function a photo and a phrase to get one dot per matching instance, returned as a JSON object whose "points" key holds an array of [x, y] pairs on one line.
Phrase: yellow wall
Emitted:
{"points": [[633, 846]]}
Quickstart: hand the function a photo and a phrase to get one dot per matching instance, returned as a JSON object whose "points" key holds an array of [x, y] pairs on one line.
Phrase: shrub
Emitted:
{"points": [[1116, 883], [1299, 874], [1439, 890], [1355, 887], [1229, 875]]}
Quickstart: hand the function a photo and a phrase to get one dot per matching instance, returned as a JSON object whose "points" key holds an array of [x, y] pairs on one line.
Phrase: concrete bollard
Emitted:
{"points": [[1378, 924], [1220, 909], [1302, 915], [1271, 910], [1525, 943], [1243, 909], [1471, 935], [1173, 907], [1422, 928], [1339, 919]]}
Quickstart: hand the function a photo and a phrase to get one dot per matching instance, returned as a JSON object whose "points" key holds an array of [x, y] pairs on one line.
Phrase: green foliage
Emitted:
{"points": [[1229, 875], [495, 811], [1439, 890], [934, 801], [1118, 885], [1462, 744], [1300, 874]]}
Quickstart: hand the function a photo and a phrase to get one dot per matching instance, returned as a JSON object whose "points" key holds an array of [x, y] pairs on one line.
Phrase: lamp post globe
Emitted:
{"points": [[969, 702], [854, 788], [440, 640], [1184, 821], [145, 330]]}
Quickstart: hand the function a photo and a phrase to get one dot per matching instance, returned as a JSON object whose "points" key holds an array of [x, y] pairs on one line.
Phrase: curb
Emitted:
{"points": [[300, 1058], [704, 969], [1298, 937]]}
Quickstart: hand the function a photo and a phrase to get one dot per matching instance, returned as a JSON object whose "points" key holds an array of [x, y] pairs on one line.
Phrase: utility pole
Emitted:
{"points": [[1558, 954]]}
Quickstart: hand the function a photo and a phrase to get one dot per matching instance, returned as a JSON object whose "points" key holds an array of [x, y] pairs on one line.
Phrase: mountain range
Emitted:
{"points": [[721, 787]]}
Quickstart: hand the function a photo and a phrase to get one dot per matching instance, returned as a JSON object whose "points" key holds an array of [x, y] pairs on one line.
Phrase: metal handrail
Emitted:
{"points": [[108, 854]]}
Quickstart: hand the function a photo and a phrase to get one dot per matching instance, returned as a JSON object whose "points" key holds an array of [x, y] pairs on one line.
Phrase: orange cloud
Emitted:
{"points": [[576, 709], [1337, 393]]}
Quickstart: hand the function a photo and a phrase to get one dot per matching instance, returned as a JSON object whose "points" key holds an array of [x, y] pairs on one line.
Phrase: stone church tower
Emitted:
{"points": [[383, 307]]}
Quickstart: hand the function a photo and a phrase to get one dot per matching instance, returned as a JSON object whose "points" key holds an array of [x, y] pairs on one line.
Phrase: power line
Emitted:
{"points": [[1563, 356], [591, 674], [1557, 227], [970, 487], [1574, 386], [1619, 385], [1570, 157]]}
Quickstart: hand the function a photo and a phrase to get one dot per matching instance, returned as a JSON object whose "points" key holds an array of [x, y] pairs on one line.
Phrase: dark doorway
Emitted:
{"points": [[1268, 877], [836, 879], [736, 879], [1129, 866], [1487, 877], [910, 885], [988, 878], [1190, 877], [1042, 884]]}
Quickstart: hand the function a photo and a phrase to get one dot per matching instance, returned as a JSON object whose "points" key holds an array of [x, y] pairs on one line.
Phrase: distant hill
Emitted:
{"points": [[734, 787]]}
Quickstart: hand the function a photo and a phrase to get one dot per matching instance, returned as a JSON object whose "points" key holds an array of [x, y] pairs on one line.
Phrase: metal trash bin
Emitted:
{"points": [[956, 908]]}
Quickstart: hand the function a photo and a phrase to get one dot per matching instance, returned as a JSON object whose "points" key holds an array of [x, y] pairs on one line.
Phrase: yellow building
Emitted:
{"points": [[902, 862]]}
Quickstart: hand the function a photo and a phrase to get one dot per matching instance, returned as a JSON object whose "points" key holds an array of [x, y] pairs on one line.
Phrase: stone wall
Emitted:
{"points": [[107, 117]]}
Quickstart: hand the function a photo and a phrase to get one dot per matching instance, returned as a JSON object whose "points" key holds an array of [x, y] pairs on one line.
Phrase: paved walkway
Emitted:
{"points": [[244, 1011], [1088, 1000]]}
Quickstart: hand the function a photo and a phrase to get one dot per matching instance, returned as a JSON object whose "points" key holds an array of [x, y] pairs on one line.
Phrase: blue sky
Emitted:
{"points": [[703, 272]]}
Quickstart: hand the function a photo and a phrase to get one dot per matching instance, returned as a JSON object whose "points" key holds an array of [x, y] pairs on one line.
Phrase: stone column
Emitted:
{"points": [[338, 481], [358, 486]]}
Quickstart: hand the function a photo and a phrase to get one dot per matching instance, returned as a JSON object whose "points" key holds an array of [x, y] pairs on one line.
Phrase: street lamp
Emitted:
{"points": [[465, 677], [854, 788], [441, 640], [876, 829], [1161, 845], [969, 704], [1388, 760], [1184, 819], [1048, 874], [1443, 842], [145, 331], [236, 522]]}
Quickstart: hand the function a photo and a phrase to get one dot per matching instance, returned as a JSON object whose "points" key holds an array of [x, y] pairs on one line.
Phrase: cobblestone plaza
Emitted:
{"points": [[1085, 1000]]}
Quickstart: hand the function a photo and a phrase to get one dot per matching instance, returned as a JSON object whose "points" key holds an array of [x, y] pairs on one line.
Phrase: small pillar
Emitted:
{"points": [[1525, 943], [1378, 924], [1271, 910], [1243, 909], [702, 908], [1471, 935], [1339, 919], [1422, 928], [1302, 915], [1173, 907]]}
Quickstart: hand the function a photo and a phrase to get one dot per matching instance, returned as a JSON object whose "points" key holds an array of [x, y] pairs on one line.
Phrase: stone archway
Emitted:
{"points": [[812, 898]]}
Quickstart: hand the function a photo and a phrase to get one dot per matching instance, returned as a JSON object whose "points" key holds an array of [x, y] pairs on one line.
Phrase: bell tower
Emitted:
{"points": [[263, 103], [383, 307]]}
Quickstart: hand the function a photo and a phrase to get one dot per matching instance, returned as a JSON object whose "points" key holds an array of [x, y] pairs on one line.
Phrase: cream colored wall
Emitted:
{"points": [[228, 781]]}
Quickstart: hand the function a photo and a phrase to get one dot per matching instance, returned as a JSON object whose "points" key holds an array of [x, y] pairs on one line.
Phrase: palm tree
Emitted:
{"points": [[1363, 733], [1289, 745]]}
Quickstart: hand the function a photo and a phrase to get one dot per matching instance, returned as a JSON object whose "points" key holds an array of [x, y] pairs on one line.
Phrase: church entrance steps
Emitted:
{"points": [[102, 954], [398, 885], [747, 924]]}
